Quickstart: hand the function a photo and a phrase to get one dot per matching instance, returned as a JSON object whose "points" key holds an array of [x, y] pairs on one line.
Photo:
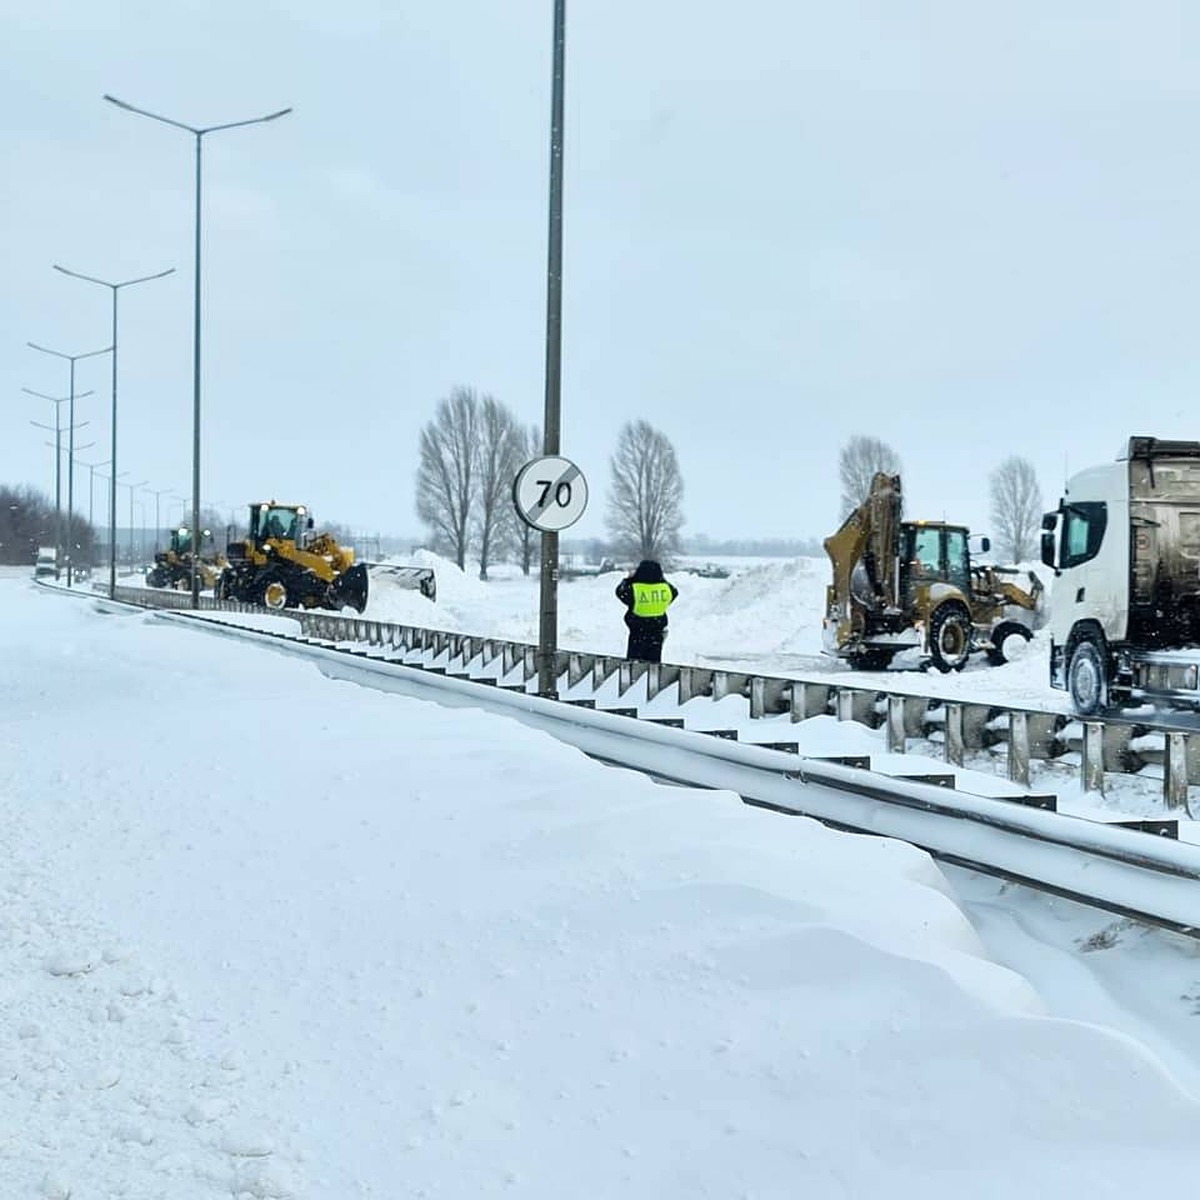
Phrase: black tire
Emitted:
{"points": [[872, 658], [156, 578], [1000, 635], [950, 638], [1087, 677], [271, 592]]}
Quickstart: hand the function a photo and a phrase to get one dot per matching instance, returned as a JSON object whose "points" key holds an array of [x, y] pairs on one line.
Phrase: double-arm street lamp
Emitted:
{"points": [[56, 428], [112, 498], [72, 359], [198, 133], [92, 469]]}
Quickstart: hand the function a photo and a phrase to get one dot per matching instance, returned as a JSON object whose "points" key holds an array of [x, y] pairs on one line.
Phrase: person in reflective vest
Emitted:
{"points": [[646, 596]]}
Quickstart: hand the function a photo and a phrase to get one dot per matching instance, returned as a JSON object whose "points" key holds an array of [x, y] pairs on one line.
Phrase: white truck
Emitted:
{"points": [[46, 563], [1124, 543]]}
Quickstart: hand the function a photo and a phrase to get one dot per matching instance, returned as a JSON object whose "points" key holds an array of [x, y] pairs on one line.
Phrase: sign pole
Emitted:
{"points": [[548, 617]]}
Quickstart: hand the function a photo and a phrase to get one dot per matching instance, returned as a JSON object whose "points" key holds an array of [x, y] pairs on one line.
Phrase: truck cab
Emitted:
{"points": [[1124, 544]]}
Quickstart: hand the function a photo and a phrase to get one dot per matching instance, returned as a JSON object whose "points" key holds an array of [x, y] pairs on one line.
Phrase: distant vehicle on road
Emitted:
{"points": [[47, 562]]}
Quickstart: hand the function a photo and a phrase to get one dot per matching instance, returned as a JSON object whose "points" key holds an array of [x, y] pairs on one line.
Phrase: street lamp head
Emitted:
{"points": [[114, 284]]}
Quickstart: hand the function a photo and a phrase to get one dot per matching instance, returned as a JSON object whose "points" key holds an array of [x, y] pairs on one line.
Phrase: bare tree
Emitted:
{"points": [[1016, 508], [498, 452], [446, 482], [525, 537], [860, 459], [646, 493]]}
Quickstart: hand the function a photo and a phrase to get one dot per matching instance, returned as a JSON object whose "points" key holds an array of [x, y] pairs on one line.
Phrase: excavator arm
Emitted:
{"points": [[867, 537]]}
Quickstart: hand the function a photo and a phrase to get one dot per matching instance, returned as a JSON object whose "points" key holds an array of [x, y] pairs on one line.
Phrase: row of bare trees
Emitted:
{"points": [[28, 520], [470, 453], [1013, 491]]}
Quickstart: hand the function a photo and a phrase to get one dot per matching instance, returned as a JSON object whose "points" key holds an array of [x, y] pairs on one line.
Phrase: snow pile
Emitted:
{"points": [[269, 935]]}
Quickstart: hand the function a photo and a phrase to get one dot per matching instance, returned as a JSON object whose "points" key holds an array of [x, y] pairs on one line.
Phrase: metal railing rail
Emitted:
{"points": [[1020, 735]]}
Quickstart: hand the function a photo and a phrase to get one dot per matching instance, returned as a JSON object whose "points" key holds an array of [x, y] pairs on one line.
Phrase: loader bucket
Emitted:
{"points": [[421, 579], [350, 588]]}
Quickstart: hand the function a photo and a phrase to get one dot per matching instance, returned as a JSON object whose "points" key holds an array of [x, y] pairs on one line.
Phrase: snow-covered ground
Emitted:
{"points": [[265, 935]]}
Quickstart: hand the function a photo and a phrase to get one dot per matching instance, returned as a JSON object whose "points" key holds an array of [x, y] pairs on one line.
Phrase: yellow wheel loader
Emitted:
{"points": [[173, 566], [911, 585], [282, 564]]}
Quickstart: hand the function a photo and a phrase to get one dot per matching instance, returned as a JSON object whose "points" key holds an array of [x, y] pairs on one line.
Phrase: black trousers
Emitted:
{"points": [[646, 636]]}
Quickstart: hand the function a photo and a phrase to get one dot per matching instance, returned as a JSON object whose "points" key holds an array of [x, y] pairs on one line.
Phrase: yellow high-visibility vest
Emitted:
{"points": [[650, 599]]}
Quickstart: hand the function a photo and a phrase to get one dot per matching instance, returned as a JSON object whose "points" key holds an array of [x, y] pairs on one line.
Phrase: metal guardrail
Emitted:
{"points": [[1109, 864], [1021, 736]]}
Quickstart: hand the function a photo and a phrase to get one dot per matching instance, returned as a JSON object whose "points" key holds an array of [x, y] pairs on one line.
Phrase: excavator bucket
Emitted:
{"points": [[350, 588]]}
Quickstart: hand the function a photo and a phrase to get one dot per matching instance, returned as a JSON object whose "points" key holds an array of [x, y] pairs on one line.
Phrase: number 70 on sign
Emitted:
{"points": [[550, 493]]}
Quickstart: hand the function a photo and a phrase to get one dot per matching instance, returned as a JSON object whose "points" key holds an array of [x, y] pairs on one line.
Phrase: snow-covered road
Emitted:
{"points": [[264, 934]]}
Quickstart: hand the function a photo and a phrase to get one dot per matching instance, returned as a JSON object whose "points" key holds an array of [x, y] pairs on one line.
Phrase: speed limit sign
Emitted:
{"points": [[550, 493]]}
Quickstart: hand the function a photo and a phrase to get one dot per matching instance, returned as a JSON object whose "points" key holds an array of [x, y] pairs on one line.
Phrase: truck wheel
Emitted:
{"points": [[1000, 635], [1087, 678], [950, 638]]}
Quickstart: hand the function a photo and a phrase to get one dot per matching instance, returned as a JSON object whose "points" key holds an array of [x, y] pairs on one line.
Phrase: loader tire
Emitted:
{"points": [[950, 638], [271, 592], [1000, 635]]}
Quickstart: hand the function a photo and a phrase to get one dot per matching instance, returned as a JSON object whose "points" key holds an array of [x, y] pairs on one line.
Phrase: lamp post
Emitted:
{"points": [[198, 133], [57, 429], [92, 467], [72, 359], [157, 522], [133, 487], [112, 499], [551, 425]]}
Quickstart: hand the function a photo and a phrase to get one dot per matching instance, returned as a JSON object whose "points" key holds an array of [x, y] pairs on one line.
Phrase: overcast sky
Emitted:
{"points": [[966, 228]]}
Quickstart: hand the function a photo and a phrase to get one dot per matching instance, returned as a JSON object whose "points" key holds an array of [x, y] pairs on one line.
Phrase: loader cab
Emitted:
{"points": [[281, 522], [933, 553]]}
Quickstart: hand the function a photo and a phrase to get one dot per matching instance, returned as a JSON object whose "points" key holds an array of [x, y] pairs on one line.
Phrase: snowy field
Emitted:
{"points": [[269, 935]]}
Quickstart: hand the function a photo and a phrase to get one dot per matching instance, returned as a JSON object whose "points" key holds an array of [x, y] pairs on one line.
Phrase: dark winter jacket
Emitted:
{"points": [[648, 572]]}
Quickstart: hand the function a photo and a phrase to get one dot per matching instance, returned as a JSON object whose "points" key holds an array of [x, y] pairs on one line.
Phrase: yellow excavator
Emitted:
{"points": [[282, 564], [904, 585]]}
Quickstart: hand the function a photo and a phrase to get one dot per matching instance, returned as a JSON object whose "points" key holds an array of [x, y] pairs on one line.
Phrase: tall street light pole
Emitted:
{"points": [[57, 401], [72, 359], [548, 619], [198, 133], [92, 467], [112, 499], [133, 487], [157, 520]]}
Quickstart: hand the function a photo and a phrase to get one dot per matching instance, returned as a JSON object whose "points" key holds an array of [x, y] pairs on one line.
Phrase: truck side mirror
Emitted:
{"points": [[310, 523], [1049, 546], [985, 544]]}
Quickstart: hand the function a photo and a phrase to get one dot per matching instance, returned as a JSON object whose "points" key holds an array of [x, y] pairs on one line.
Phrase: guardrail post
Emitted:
{"points": [[955, 745], [809, 700], [693, 682], [1176, 775], [728, 683], [897, 726], [579, 666], [529, 660], [628, 673], [1018, 747], [1091, 758], [659, 677], [767, 696], [855, 704], [604, 667]]}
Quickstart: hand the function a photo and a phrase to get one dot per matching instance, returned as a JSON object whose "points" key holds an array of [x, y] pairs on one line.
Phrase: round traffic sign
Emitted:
{"points": [[550, 493]]}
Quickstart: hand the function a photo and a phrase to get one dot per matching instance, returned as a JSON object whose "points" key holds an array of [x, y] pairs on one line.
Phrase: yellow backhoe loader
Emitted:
{"points": [[905, 585]]}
